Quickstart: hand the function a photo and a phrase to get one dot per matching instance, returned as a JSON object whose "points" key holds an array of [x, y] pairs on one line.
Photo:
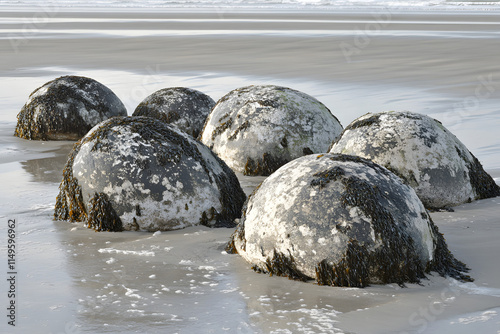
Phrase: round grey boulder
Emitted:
{"points": [[185, 108], [138, 173], [340, 220], [423, 153], [257, 129], [66, 108]]}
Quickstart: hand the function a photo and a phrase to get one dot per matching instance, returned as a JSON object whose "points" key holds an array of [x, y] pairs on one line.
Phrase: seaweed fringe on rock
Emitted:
{"points": [[102, 216], [282, 265], [265, 166], [483, 184], [444, 263], [69, 201], [393, 262], [352, 271]]}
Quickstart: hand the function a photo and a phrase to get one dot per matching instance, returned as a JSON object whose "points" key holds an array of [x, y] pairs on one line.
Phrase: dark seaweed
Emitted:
{"points": [[284, 142], [396, 260], [444, 263], [375, 119], [219, 129], [352, 271], [324, 177], [102, 216], [264, 166], [483, 184], [240, 128], [307, 151], [282, 265]]}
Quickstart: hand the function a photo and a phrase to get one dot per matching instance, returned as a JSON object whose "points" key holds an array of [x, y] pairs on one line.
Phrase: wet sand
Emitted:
{"points": [[72, 279]]}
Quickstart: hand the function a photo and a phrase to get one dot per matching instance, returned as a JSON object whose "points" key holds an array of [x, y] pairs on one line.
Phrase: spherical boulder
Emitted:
{"points": [[423, 153], [257, 129], [139, 173], [340, 220], [186, 108], [66, 108]]}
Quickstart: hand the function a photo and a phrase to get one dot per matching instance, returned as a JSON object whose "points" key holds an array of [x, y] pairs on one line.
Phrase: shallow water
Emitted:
{"points": [[71, 279]]}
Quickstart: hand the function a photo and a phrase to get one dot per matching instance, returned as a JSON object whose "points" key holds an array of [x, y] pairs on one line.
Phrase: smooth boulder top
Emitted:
{"points": [[138, 173], [343, 221], [423, 153], [66, 108], [183, 107], [257, 129]]}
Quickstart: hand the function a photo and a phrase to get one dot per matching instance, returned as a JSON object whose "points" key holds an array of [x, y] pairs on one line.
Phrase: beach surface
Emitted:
{"points": [[70, 279]]}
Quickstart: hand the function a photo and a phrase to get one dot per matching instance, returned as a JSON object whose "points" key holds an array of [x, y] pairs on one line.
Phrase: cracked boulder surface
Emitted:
{"points": [[183, 107], [341, 220], [257, 129], [139, 173], [420, 150], [66, 108]]}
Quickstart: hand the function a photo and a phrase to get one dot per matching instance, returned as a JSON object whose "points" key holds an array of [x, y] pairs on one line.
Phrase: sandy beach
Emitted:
{"points": [[70, 279]]}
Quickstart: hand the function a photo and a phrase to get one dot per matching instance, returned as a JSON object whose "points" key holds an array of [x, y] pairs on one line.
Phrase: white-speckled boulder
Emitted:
{"points": [[139, 173], [340, 220], [66, 108], [183, 107], [423, 153], [257, 129]]}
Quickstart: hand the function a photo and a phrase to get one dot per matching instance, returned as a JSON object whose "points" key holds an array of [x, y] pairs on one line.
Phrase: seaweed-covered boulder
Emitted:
{"points": [[186, 108], [423, 153], [139, 173], [341, 220], [66, 108], [257, 129]]}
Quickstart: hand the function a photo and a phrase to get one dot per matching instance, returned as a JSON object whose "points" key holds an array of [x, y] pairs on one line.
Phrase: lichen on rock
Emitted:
{"points": [[421, 151], [183, 107], [138, 173], [344, 221], [257, 129], [66, 108]]}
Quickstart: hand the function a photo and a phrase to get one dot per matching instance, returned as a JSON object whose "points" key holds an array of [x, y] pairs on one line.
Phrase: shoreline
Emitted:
{"points": [[275, 8]]}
